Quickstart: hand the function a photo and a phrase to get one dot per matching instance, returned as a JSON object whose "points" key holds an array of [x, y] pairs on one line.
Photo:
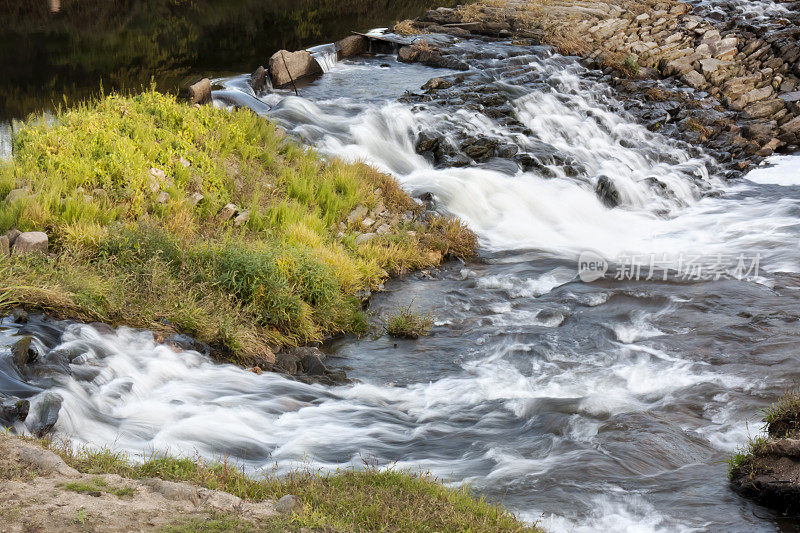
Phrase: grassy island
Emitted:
{"points": [[206, 222]]}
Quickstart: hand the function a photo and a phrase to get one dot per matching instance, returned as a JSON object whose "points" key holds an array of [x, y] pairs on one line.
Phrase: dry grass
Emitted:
{"points": [[406, 27], [423, 45]]}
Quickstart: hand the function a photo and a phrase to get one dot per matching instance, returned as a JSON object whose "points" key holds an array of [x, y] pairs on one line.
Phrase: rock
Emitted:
{"points": [[434, 84], [708, 66], [174, 491], [45, 415], [694, 79], [227, 212], [351, 46], [429, 57], [157, 179], [680, 66], [764, 108], [241, 219], [364, 237], [196, 198], [769, 148], [357, 214], [5, 247], [200, 92], [44, 461], [11, 412], [258, 80], [289, 504], [790, 97], [384, 229], [285, 67], [19, 315], [12, 235], [607, 192], [163, 197], [30, 242], [183, 162], [367, 222], [16, 194], [790, 130], [287, 361], [23, 352]]}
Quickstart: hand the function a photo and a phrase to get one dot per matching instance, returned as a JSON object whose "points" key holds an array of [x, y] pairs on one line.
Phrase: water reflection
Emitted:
{"points": [[62, 50]]}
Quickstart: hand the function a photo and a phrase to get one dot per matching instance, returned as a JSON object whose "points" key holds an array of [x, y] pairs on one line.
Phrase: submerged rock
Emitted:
{"points": [[13, 411], [607, 192], [306, 364], [45, 415], [24, 352], [258, 80]]}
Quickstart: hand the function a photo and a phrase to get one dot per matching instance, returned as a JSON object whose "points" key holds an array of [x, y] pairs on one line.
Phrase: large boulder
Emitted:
{"points": [[285, 67], [351, 46], [200, 92], [30, 242]]}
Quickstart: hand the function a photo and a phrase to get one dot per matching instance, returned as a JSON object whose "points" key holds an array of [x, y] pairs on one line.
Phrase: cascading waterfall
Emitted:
{"points": [[601, 406], [325, 55]]}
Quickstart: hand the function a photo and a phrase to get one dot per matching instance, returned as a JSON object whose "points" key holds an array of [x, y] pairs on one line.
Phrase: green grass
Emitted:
{"points": [[405, 323], [288, 275], [369, 499], [782, 420], [741, 460], [98, 484]]}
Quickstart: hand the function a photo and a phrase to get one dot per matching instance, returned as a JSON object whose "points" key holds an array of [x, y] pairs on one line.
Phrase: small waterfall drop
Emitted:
{"points": [[325, 55]]}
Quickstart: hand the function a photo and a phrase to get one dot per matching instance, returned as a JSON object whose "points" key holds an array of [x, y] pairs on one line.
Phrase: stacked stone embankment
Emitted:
{"points": [[748, 82]]}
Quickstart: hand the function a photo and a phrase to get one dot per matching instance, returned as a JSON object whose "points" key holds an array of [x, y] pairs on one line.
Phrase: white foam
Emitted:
{"points": [[777, 170]]}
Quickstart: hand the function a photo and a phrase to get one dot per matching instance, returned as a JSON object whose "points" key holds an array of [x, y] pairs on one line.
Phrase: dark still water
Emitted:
{"points": [[52, 49]]}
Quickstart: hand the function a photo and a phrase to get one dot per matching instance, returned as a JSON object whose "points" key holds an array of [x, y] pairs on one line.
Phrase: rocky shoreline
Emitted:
{"points": [[732, 88]]}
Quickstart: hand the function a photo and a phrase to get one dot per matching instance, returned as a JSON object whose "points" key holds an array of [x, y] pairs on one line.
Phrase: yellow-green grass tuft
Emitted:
{"points": [[407, 324], [115, 184]]}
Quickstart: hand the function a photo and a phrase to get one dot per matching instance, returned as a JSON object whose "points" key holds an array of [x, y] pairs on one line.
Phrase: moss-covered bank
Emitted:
{"points": [[207, 222]]}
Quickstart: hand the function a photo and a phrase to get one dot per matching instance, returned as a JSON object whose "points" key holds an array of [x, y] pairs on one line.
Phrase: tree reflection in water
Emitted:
{"points": [[53, 51]]}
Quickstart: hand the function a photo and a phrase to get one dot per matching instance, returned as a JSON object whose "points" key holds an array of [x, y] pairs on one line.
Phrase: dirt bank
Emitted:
{"points": [[40, 492]]}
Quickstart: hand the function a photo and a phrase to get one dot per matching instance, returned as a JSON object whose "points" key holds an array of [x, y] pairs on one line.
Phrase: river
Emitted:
{"points": [[607, 405]]}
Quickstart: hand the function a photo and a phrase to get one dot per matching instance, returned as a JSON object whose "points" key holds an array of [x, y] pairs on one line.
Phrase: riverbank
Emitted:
{"points": [[734, 91], [203, 222], [102, 491], [767, 469]]}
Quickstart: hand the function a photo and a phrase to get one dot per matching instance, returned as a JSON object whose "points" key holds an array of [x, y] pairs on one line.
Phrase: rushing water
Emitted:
{"points": [[602, 406]]}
